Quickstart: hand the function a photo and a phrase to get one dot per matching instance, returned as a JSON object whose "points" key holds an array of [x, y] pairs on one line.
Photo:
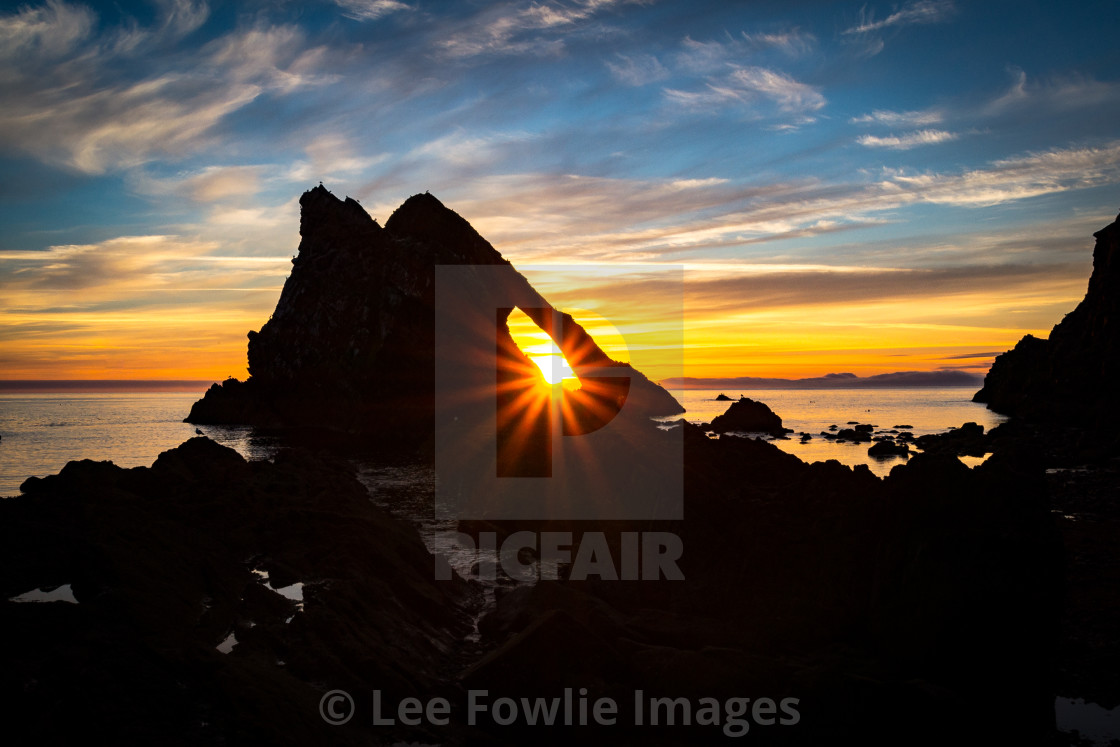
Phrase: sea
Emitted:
{"points": [[921, 410], [41, 432]]}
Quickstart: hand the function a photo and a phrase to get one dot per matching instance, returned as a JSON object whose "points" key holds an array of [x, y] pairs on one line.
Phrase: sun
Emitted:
{"points": [[541, 350], [555, 369]]}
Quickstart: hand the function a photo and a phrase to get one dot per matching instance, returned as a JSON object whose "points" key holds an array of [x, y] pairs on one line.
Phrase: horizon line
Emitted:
{"points": [[78, 385]]}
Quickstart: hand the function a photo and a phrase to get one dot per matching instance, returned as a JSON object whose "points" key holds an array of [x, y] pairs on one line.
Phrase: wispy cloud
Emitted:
{"points": [[331, 157], [637, 70], [751, 87], [542, 216], [181, 17], [990, 354], [67, 101], [790, 95], [919, 12], [1031, 175], [119, 263], [705, 56], [549, 15], [370, 10], [904, 119], [460, 149], [793, 42], [210, 184], [50, 31], [518, 28], [717, 55], [1053, 94], [907, 141], [810, 288], [720, 79]]}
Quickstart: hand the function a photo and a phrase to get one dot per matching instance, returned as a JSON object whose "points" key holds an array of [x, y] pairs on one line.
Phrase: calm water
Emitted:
{"points": [[814, 410], [41, 432]]}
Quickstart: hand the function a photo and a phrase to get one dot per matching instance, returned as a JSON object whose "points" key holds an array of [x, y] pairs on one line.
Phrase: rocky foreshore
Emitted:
{"points": [[214, 600], [875, 603]]}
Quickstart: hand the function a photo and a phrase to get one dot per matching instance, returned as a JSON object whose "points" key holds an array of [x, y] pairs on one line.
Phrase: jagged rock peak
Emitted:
{"points": [[424, 218], [1105, 280], [322, 212]]}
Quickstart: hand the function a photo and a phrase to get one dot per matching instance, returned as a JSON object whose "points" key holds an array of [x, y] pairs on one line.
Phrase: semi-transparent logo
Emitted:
{"points": [[566, 431]]}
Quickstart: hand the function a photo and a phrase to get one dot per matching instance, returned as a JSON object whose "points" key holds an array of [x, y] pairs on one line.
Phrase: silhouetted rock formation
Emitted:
{"points": [[351, 344], [748, 416], [167, 562], [888, 447], [968, 440], [1071, 377]]}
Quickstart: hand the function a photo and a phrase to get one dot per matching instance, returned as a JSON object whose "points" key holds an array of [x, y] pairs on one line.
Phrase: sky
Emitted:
{"points": [[843, 186]]}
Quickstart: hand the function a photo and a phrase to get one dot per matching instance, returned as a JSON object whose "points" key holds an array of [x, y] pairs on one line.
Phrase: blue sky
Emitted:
{"points": [[850, 186]]}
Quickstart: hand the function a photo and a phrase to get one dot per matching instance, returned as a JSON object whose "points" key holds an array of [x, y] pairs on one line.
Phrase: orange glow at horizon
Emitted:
{"points": [[722, 337], [784, 346]]}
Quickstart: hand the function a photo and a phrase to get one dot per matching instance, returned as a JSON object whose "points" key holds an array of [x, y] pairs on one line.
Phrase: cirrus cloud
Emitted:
{"points": [[919, 12], [909, 140], [72, 102]]}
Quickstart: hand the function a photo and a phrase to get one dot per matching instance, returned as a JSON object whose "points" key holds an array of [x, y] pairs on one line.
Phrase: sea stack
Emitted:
{"points": [[1071, 377], [351, 344], [749, 416]]}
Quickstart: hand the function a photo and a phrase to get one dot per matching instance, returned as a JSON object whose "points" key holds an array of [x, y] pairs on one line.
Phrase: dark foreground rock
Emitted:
{"points": [[968, 440], [748, 416], [877, 604], [1062, 395], [864, 605], [888, 448], [161, 561], [1088, 514]]}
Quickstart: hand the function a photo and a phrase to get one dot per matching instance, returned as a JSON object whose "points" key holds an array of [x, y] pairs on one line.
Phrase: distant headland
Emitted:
{"points": [[945, 378]]}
